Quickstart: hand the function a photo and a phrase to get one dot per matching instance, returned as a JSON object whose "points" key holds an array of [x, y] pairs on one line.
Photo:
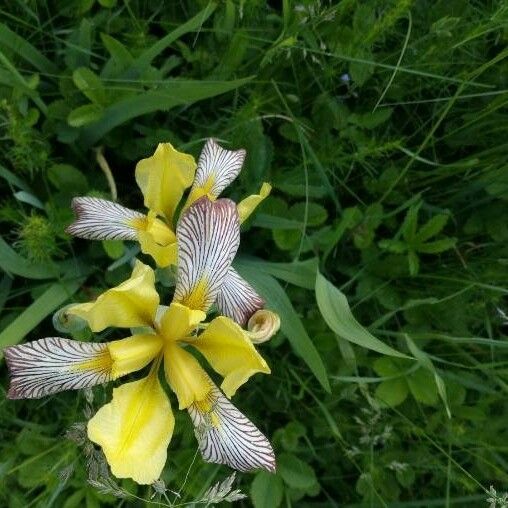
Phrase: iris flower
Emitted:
{"points": [[163, 178], [135, 428]]}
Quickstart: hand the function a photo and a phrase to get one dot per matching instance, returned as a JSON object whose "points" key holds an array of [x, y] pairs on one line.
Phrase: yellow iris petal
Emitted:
{"points": [[156, 239], [199, 192], [163, 178], [230, 352], [185, 376], [132, 303], [134, 430], [133, 353], [249, 204], [179, 321]]}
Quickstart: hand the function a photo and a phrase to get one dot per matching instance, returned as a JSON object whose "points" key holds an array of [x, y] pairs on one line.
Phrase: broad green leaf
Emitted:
{"points": [[335, 310], [432, 227], [84, 115], [405, 476], [387, 367], [266, 490], [56, 295], [286, 239], [422, 387], [437, 246], [113, 248], [392, 392], [90, 85], [173, 93], [426, 362], [316, 213], [68, 179], [295, 472], [291, 324], [291, 435]]}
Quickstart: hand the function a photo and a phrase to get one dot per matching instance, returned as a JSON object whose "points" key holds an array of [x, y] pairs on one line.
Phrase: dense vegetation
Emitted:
{"points": [[382, 126]]}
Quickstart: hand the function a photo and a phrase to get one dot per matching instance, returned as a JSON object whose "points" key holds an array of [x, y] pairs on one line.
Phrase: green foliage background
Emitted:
{"points": [[382, 126]]}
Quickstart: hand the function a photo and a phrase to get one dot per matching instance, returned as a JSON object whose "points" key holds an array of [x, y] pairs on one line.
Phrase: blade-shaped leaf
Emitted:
{"points": [[192, 25], [335, 310], [56, 295], [19, 45], [173, 93], [11, 262], [300, 273], [291, 324]]}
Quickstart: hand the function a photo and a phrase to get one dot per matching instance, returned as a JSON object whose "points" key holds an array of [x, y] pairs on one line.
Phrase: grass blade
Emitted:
{"points": [[174, 93], [291, 324]]}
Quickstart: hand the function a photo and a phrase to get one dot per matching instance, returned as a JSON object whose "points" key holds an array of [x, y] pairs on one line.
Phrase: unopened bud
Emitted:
{"points": [[65, 322], [263, 325]]}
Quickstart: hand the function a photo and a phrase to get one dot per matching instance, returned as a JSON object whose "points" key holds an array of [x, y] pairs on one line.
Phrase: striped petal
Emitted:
{"points": [[226, 436], [217, 168], [208, 237], [163, 178], [132, 303], [230, 352], [134, 430], [249, 204], [237, 299], [55, 364], [100, 219]]}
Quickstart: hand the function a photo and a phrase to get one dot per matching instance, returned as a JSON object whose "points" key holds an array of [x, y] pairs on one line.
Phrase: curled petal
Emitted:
{"points": [[163, 178], [263, 325], [100, 219], [132, 303], [249, 204], [54, 364], [134, 430], [208, 237], [237, 299], [226, 436], [217, 168], [229, 351]]}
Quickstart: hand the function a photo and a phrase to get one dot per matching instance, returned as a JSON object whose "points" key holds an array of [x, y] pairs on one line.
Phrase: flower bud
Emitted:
{"points": [[66, 322], [263, 325]]}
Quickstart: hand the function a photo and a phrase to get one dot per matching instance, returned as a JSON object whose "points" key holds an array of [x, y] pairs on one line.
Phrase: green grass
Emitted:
{"points": [[383, 129]]}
